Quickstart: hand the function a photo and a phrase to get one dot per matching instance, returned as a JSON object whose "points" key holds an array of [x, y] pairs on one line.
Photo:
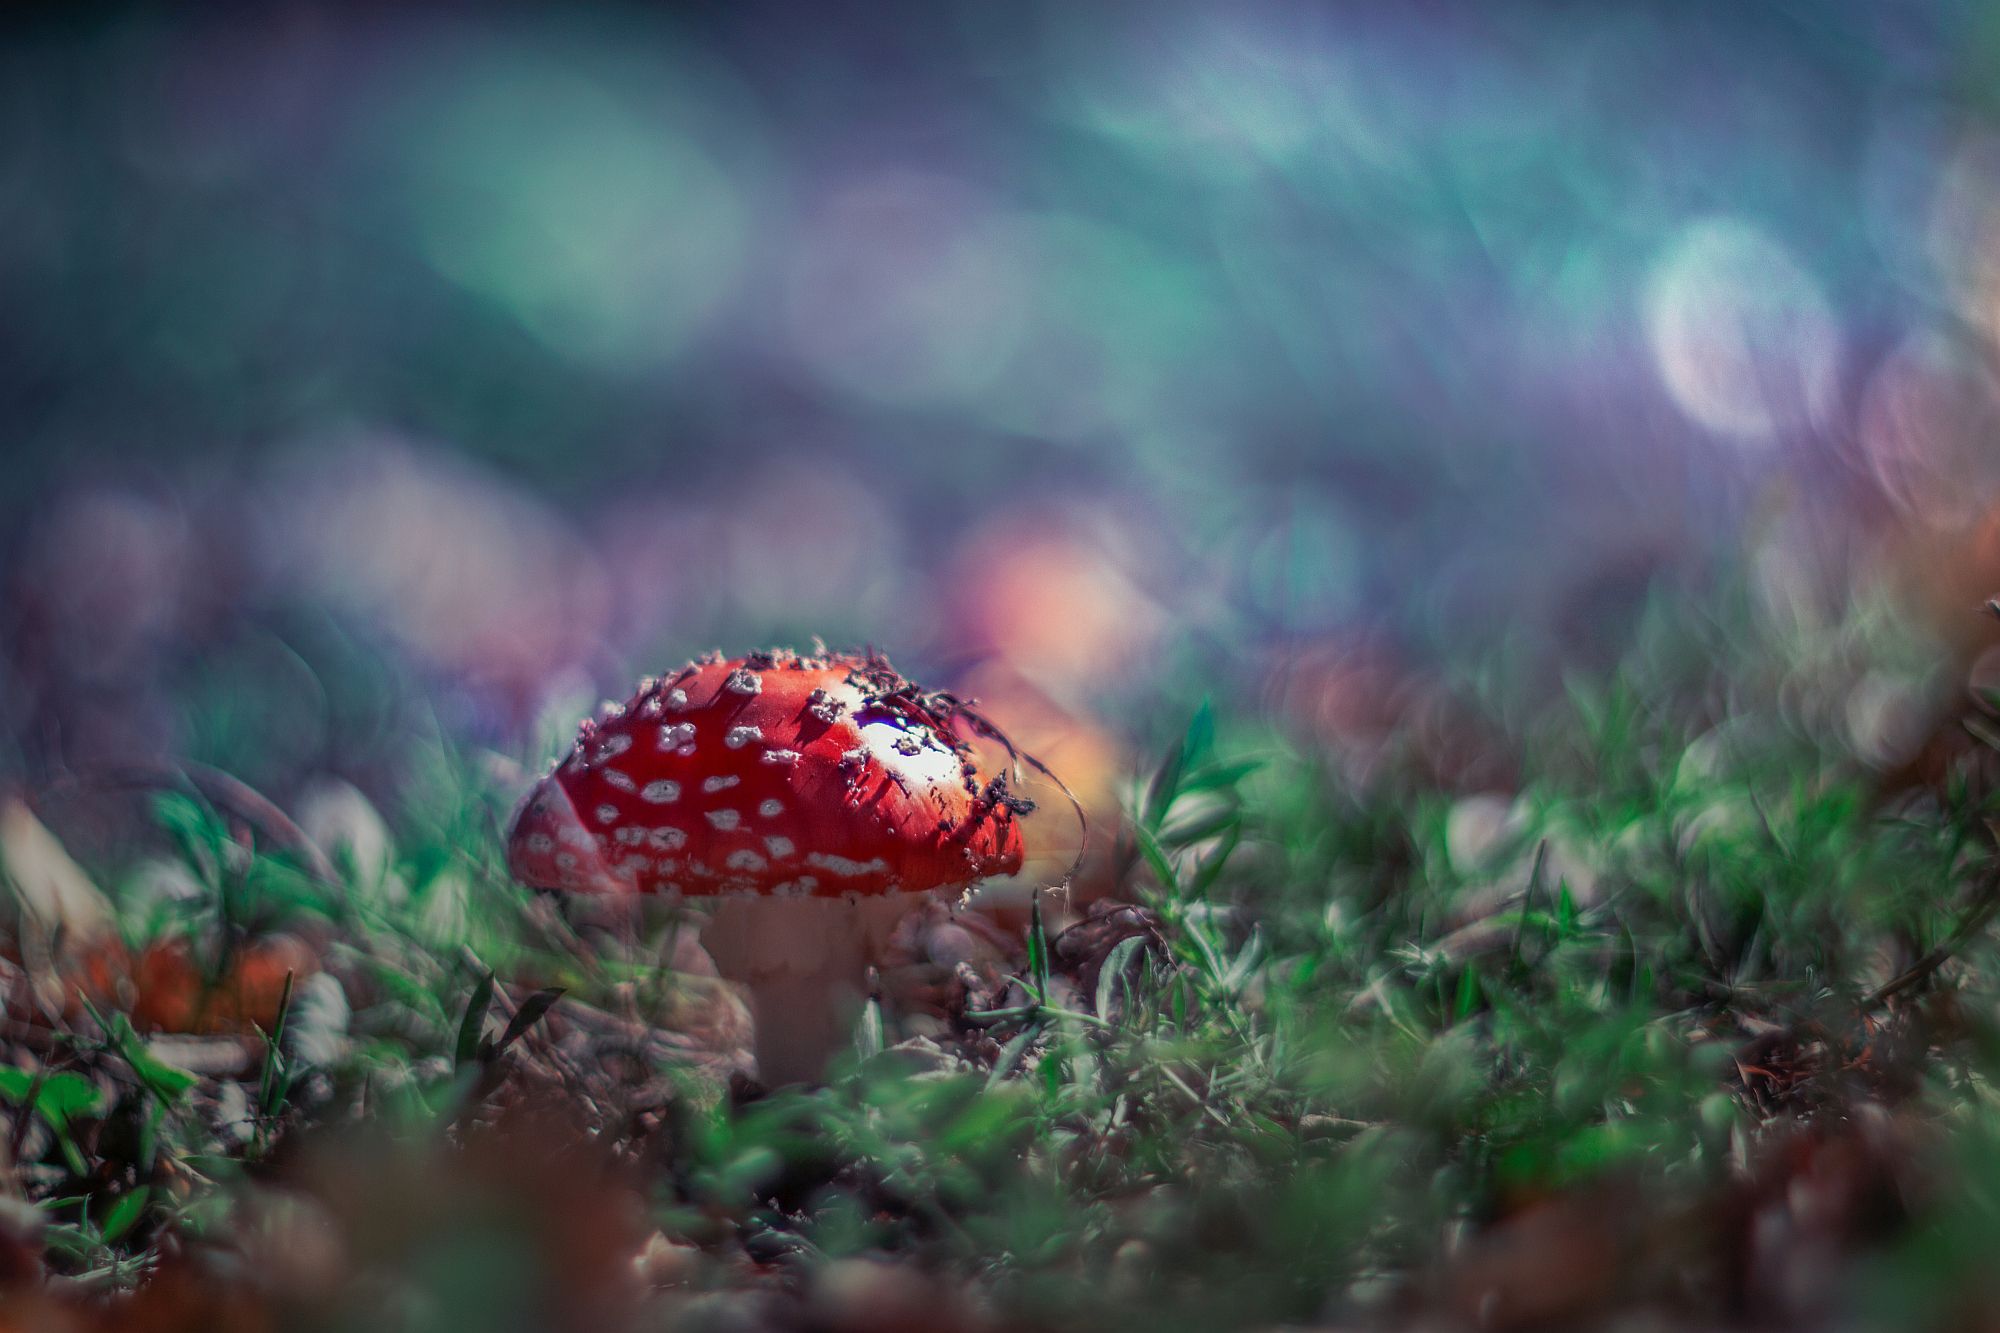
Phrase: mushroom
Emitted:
{"points": [[815, 796]]}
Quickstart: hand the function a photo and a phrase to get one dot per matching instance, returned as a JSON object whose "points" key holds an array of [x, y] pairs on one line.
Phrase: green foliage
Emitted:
{"points": [[1357, 1022]]}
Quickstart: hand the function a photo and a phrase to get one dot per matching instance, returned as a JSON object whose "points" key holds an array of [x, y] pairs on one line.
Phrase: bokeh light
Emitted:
{"points": [[1104, 352], [1746, 343]]}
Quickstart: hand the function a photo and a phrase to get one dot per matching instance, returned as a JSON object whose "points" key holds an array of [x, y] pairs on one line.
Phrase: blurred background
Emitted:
{"points": [[407, 370]]}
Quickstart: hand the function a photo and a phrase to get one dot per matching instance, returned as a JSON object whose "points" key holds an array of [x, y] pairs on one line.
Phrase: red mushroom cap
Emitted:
{"points": [[773, 773]]}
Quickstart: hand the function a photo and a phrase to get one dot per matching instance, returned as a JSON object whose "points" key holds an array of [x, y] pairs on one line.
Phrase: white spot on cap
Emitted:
{"points": [[676, 735], [650, 707], [629, 835], [565, 860], [541, 844], [574, 835], [612, 746], [913, 756], [845, 867], [667, 838], [677, 699], [607, 814], [739, 737], [743, 681], [780, 756], [661, 791], [744, 860], [780, 847], [725, 819], [619, 778], [721, 782], [771, 809]]}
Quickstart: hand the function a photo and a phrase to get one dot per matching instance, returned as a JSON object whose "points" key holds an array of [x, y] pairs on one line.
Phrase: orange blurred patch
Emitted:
{"points": [[176, 993], [1088, 758], [1054, 602]]}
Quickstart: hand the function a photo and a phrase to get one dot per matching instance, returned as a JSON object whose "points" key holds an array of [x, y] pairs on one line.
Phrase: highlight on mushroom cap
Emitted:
{"points": [[772, 773]]}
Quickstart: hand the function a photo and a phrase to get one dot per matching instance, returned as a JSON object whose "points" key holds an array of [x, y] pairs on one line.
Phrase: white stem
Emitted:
{"points": [[804, 963]]}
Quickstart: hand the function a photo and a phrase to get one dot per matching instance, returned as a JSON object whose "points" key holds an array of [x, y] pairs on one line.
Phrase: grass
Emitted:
{"points": [[1697, 1029]]}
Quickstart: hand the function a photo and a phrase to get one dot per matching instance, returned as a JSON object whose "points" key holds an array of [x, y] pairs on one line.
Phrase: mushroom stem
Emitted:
{"points": [[803, 963]]}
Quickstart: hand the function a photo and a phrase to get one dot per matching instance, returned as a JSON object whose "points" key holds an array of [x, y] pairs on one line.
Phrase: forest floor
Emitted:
{"points": [[1695, 1027]]}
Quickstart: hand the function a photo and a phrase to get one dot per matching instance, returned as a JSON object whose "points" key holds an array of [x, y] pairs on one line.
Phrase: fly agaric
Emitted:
{"points": [[812, 794]]}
